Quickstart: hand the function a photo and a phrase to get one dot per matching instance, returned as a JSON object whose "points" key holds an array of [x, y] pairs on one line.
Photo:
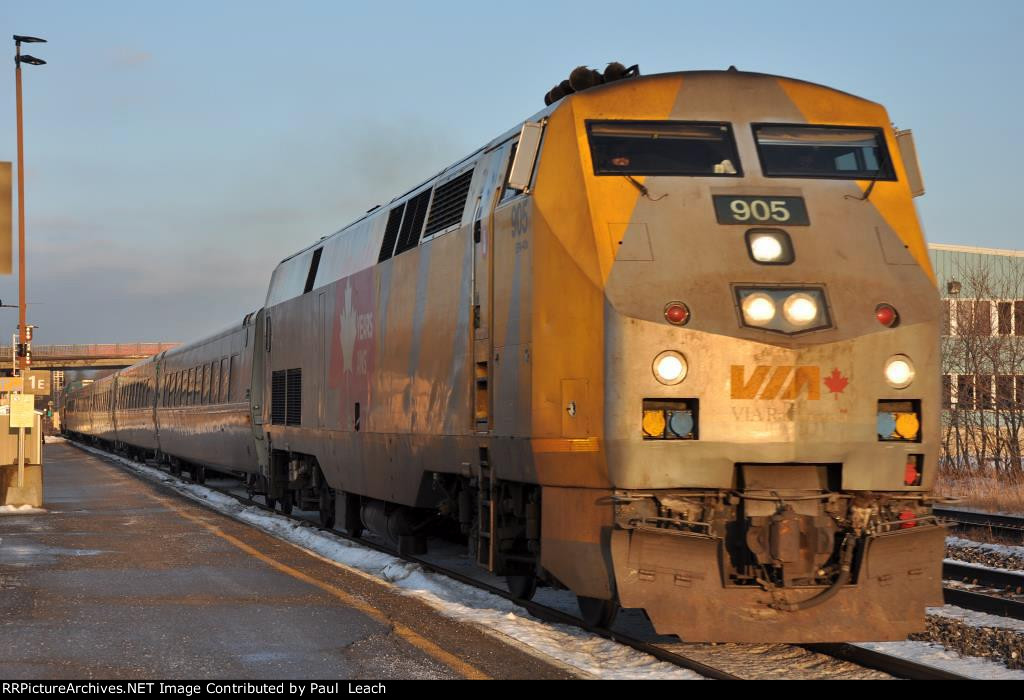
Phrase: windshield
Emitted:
{"points": [[849, 153], [663, 148]]}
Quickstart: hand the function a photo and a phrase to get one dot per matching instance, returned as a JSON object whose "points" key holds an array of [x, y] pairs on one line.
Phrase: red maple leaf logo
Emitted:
{"points": [[836, 382]]}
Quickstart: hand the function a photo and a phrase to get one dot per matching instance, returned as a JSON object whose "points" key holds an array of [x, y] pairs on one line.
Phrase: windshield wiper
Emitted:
{"points": [[879, 172], [643, 190]]}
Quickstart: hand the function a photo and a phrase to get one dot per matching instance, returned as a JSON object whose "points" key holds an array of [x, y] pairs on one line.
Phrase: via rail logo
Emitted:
{"points": [[784, 382], [352, 338]]}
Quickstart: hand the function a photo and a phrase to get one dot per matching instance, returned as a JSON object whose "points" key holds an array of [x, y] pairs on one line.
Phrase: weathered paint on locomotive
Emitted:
{"points": [[613, 258], [519, 342]]}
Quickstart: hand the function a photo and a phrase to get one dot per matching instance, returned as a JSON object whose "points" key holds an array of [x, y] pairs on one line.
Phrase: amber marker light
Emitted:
{"points": [[654, 423], [677, 313]]}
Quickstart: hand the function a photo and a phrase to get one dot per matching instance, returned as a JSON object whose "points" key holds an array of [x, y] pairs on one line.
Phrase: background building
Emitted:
{"points": [[982, 355]]}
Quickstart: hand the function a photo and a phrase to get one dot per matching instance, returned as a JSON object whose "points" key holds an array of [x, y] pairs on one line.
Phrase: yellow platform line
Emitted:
{"points": [[453, 662]]}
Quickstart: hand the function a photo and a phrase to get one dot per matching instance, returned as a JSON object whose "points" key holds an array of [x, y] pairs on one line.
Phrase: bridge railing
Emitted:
{"points": [[96, 350]]}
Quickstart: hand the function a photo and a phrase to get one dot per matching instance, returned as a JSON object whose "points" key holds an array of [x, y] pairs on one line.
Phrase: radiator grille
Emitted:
{"points": [[293, 409], [412, 224], [449, 202], [277, 394], [286, 397], [391, 233]]}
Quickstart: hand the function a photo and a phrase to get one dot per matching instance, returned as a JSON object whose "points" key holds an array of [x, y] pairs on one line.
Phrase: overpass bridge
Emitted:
{"points": [[95, 356]]}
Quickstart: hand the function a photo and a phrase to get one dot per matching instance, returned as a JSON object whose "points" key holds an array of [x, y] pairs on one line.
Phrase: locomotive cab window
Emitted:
{"points": [[663, 148], [843, 153]]}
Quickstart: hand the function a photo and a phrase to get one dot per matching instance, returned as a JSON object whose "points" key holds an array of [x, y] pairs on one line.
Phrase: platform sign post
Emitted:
{"points": [[6, 209], [22, 416]]}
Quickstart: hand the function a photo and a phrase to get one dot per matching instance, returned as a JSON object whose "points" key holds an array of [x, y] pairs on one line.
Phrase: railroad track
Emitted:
{"points": [[1010, 526], [996, 602], [894, 666]]}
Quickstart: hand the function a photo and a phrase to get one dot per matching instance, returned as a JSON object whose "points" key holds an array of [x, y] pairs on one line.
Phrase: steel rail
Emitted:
{"points": [[868, 658], [984, 602], [1010, 525], [984, 576], [880, 661]]}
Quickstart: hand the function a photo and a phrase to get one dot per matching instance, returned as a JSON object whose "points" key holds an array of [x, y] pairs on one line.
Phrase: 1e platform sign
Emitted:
{"points": [[37, 381]]}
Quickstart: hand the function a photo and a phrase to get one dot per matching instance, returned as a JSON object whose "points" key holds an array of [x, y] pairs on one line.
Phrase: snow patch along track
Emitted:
{"points": [[580, 650], [586, 653]]}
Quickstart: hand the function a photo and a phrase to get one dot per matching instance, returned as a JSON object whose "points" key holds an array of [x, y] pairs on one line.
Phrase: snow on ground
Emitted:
{"points": [[585, 652], [1009, 550], [25, 509], [940, 657], [1003, 556], [976, 634], [973, 618]]}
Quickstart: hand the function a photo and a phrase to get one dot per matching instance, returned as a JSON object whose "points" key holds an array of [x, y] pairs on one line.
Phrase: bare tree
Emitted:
{"points": [[983, 369]]}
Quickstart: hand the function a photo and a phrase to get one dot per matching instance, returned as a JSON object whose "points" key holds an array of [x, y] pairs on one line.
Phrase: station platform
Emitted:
{"points": [[124, 579]]}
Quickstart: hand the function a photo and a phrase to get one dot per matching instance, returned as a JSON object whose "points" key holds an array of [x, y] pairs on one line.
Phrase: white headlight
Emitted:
{"points": [[899, 371], [670, 367], [758, 309], [800, 309], [765, 248]]}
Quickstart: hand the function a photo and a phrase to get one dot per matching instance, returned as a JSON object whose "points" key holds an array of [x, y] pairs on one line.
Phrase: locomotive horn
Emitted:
{"points": [[554, 94], [614, 71], [583, 78]]}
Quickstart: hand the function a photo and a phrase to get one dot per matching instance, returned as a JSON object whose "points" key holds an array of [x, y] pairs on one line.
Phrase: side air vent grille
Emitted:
{"points": [[391, 233], [449, 202], [286, 397], [293, 412], [412, 224], [277, 393]]}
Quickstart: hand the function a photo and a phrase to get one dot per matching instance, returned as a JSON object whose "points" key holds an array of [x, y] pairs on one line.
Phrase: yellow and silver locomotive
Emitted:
{"points": [[672, 343]]}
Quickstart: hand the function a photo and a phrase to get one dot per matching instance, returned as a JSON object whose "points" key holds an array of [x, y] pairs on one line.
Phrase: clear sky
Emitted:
{"points": [[175, 152]]}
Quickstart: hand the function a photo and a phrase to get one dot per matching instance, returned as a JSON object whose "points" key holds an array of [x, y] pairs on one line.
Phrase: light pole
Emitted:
{"points": [[33, 61]]}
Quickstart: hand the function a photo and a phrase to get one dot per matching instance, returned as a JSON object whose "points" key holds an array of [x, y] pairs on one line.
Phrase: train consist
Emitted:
{"points": [[671, 343]]}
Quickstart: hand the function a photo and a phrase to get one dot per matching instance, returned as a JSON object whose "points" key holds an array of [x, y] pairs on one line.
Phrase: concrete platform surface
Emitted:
{"points": [[122, 579]]}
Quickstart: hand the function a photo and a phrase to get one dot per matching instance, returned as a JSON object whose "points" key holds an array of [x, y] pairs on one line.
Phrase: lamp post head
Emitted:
{"points": [[28, 39], [31, 60]]}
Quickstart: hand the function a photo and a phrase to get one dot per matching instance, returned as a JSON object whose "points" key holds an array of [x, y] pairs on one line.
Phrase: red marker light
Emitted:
{"points": [[677, 314], [912, 472], [908, 519], [886, 315]]}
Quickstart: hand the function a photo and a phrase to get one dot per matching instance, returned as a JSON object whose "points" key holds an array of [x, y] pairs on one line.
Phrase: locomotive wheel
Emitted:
{"points": [[326, 507], [522, 586], [596, 612]]}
